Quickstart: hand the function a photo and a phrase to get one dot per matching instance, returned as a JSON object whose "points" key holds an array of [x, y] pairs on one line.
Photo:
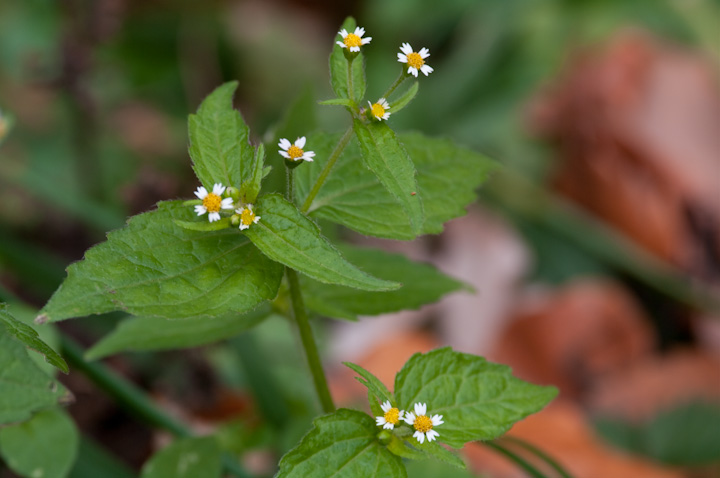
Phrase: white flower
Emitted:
{"points": [[353, 41], [212, 202], [422, 423], [380, 109], [391, 417], [247, 216], [295, 152], [415, 61]]}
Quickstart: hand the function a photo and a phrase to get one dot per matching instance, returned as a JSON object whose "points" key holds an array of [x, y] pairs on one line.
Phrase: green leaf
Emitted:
{"points": [[341, 445], [218, 138], [422, 284], [251, 188], [285, 235], [44, 446], [478, 400], [399, 447], [339, 102], [186, 458], [24, 388], [28, 336], [153, 267], [384, 155], [372, 383], [447, 177], [152, 333], [342, 72], [204, 226], [404, 99], [440, 453]]}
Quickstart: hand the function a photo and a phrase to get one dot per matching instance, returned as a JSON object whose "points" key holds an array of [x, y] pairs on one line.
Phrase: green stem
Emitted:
{"points": [[532, 471], [289, 194], [308, 341], [397, 83], [351, 91], [539, 453], [326, 170]]}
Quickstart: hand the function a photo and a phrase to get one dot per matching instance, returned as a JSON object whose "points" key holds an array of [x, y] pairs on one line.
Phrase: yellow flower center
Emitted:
{"points": [[352, 40], [423, 424], [247, 217], [415, 60], [294, 152], [392, 416], [378, 111], [212, 202]]}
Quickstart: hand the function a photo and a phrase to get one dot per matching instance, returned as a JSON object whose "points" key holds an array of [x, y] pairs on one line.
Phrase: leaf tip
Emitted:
{"points": [[42, 319]]}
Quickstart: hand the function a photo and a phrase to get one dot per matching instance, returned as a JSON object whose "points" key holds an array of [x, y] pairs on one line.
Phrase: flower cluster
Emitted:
{"points": [[418, 419]]}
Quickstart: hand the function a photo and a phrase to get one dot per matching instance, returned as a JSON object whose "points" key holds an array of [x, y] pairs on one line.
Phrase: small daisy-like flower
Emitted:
{"points": [[392, 416], [212, 202], [380, 109], [247, 216], [422, 423], [353, 41], [294, 151], [415, 61]]}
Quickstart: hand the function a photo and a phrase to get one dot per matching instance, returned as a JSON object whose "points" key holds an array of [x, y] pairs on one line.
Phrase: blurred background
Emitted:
{"points": [[595, 251]]}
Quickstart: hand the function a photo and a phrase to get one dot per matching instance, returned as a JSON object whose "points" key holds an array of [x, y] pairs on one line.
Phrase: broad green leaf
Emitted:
{"points": [[478, 400], [341, 445], [422, 284], [152, 333], [97, 462], [372, 383], [186, 458], [440, 453], [385, 156], [204, 226], [24, 388], [44, 446], [285, 235], [447, 177], [155, 268], [342, 73], [28, 336], [404, 99], [218, 138]]}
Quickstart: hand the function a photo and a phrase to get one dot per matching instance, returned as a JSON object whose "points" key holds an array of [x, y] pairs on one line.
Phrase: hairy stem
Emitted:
{"points": [[351, 91], [339, 148], [308, 341], [393, 87]]}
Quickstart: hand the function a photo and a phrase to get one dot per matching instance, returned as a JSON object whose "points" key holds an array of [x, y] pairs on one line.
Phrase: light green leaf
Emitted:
{"points": [[422, 284], [204, 226], [341, 445], [404, 99], [24, 388], [152, 333], [186, 458], [372, 383], [28, 336], [478, 400], [44, 446], [342, 73], [400, 448], [285, 235], [384, 155], [251, 188], [218, 138], [447, 177], [153, 267]]}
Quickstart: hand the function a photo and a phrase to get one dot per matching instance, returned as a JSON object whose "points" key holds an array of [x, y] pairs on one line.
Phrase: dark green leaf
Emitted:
{"points": [[286, 235], [153, 267], [219, 144], [440, 453], [44, 446], [341, 445], [342, 73], [383, 154], [478, 400], [422, 284], [28, 336], [372, 383], [204, 226], [152, 333], [186, 458]]}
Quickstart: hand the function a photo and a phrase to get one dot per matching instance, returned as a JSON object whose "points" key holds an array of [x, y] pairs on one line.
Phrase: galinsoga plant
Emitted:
{"points": [[204, 269]]}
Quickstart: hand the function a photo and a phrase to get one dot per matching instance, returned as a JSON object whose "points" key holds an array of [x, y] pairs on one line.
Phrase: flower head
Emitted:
{"points": [[422, 423], [380, 109], [294, 151], [247, 216], [353, 41], [415, 61], [212, 202], [391, 417]]}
